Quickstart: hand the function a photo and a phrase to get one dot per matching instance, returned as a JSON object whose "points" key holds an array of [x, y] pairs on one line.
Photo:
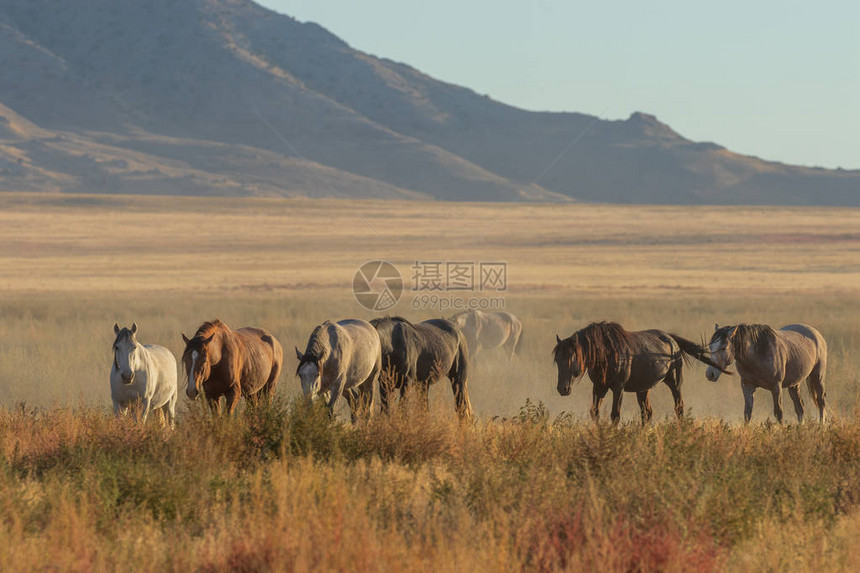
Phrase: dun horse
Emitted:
{"points": [[624, 361], [231, 363], [773, 360], [341, 358], [421, 354], [143, 374], [489, 330]]}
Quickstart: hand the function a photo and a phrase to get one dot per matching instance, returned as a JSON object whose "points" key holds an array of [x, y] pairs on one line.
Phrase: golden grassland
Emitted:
{"points": [[529, 485]]}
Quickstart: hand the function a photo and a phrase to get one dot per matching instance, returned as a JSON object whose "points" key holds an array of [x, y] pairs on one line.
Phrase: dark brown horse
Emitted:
{"points": [[230, 363], [624, 361], [420, 354]]}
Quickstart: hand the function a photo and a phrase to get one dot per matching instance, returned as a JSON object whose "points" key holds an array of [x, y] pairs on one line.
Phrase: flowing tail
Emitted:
{"points": [[697, 351]]}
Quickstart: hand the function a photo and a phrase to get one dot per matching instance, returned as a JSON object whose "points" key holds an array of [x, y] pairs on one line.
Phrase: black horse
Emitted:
{"points": [[624, 361], [421, 354]]}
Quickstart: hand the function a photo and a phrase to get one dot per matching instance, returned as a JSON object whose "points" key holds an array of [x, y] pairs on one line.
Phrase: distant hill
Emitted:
{"points": [[224, 97]]}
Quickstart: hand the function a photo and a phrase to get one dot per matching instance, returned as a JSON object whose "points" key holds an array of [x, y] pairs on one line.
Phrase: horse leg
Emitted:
{"points": [[388, 378], [214, 404], [617, 396], [748, 390], [815, 382], [777, 401], [352, 400], [335, 392], [461, 396], [232, 396], [644, 406], [384, 389], [597, 395], [458, 375], [144, 411], [423, 390], [674, 381], [169, 413], [794, 392], [117, 408], [361, 398]]}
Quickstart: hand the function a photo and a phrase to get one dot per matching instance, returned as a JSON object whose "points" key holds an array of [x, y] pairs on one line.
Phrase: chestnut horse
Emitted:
{"points": [[230, 363]]}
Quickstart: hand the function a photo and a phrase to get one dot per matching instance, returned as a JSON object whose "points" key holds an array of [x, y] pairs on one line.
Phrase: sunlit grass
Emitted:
{"points": [[531, 484], [276, 488]]}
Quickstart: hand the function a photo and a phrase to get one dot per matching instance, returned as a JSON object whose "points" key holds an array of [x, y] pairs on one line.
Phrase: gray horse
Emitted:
{"points": [[142, 373], [773, 360], [341, 358], [489, 330]]}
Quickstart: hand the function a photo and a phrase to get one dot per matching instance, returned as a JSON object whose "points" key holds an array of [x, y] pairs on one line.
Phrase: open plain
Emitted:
{"points": [[532, 484]]}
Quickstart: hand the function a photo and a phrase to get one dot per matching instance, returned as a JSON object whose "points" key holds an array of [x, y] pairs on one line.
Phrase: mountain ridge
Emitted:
{"points": [[190, 80]]}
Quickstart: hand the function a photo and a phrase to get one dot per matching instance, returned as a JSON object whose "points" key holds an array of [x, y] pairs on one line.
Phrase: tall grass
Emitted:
{"points": [[287, 488]]}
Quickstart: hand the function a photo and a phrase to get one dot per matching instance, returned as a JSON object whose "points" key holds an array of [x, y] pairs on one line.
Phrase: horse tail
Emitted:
{"points": [[519, 327], [697, 351], [459, 377], [277, 363], [815, 380]]}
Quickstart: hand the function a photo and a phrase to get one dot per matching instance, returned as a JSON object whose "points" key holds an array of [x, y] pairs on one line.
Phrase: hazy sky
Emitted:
{"points": [[780, 80]]}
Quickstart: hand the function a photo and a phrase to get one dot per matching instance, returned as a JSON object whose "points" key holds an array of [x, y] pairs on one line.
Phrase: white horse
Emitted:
{"points": [[489, 330], [342, 358], [143, 373]]}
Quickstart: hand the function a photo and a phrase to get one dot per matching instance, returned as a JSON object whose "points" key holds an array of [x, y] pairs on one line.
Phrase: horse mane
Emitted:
{"points": [[206, 330], [761, 337], [598, 345], [209, 328], [377, 321], [317, 348], [122, 334]]}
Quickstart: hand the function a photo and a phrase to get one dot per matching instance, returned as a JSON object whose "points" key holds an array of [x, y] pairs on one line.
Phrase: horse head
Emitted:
{"points": [[568, 362], [126, 359], [721, 350], [196, 359], [308, 372]]}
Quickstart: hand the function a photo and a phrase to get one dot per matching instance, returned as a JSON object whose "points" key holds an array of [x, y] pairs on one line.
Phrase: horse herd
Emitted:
{"points": [[352, 358]]}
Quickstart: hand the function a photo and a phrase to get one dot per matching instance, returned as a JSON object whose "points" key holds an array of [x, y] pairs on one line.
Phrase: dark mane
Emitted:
{"points": [[722, 334], [761, 337], [377, 321], [598, 345], [122, 335], [317, 348]]}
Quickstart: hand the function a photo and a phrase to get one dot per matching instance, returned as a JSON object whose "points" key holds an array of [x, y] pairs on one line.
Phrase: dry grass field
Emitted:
{"points": [[530, 485]]}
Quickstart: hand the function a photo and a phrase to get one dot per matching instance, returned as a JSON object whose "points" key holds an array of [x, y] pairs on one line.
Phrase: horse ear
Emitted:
{"points": [[716, 326], [185, 338], [134, 328], [557, 339], [299, 354], [115, 328], [208, 340]]}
